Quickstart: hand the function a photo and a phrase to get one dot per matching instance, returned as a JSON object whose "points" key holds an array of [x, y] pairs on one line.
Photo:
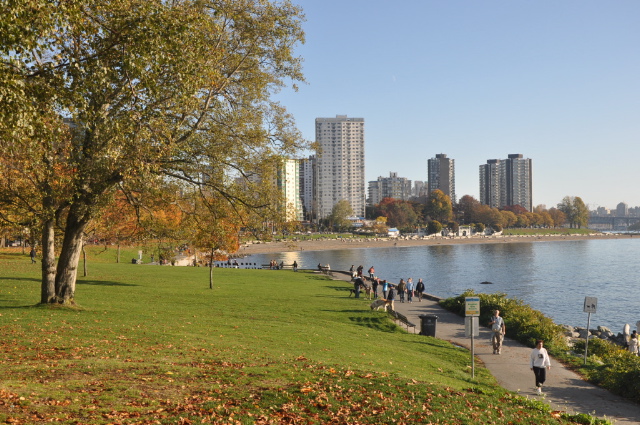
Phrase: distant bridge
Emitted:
{"points": [[611, 223]]}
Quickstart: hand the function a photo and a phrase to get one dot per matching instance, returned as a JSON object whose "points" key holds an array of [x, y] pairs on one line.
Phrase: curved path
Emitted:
{"points": [[564, 390]]}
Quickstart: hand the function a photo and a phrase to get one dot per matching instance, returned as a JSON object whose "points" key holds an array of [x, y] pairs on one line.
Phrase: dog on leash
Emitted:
{"points": [[368, 292], [380, 302]]}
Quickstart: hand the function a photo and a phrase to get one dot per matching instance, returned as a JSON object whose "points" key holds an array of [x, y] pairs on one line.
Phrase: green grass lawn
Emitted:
{"points": [[154, 345]]}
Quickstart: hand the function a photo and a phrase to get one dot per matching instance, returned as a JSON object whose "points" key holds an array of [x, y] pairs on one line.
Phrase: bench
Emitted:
{"points": [[402, 319]]}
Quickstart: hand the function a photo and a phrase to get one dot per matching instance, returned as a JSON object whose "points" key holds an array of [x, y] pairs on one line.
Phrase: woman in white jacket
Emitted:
{"points": [[540, 362]]}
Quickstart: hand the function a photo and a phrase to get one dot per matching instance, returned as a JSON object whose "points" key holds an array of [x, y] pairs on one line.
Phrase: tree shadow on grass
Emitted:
{"points": [[103, 283], [318, 277], [21, 279], [340, 288], [381, 324]]}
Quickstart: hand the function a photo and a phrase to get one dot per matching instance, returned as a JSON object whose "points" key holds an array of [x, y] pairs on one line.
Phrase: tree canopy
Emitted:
{"points": [[148, 98], [340, 213]]}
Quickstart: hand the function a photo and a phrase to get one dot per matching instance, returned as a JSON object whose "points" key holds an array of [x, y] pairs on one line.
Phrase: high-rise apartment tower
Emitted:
{"points": [[340, 164], [507, 182], [442, 175]]}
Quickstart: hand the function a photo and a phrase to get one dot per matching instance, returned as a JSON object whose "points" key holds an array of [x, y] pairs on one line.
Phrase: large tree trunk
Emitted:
{"points": [[48, 285], [69, 259]]}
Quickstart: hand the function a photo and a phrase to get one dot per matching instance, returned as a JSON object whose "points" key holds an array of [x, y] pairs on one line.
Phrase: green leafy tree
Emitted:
{"points": [[129, 95], [438, 206], [575, 211], [467, 209], [339, 217], [434, 227]]}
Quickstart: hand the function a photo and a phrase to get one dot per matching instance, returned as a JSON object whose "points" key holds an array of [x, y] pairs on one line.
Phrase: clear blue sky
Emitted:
{"points": [[557, 81]]}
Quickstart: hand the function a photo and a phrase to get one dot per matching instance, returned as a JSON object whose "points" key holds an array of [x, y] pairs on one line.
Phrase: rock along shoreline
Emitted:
{"points": [[324, 244]]}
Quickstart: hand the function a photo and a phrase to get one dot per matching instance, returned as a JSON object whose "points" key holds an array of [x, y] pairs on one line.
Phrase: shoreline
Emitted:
{"points": [[357, 243]]}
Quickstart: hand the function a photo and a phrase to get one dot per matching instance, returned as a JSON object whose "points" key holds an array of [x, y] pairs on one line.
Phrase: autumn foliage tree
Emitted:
{"points": [[131, 96], [399, 213]]}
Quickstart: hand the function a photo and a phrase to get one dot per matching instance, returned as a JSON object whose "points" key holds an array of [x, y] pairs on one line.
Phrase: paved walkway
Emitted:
{"points": [[564, 390]]}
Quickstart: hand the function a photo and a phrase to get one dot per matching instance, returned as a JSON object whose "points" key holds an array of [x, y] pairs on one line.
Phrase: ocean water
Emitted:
{"points": [[553, 277]]}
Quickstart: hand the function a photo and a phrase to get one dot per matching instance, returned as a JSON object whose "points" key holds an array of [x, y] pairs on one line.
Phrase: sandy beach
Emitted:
{"points": [[351, 243]]}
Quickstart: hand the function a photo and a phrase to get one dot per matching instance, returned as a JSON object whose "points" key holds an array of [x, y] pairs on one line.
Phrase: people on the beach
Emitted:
{"points": [[410, 290], [540, 363], [498, 330], [402, 286], [420, 289]]}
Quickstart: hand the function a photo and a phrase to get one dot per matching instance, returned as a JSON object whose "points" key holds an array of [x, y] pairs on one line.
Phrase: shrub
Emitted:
{"points": [[523, 323], [434, 227], [612, 367]]}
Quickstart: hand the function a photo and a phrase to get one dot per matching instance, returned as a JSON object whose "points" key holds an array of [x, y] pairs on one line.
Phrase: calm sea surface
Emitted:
{"points": [[553, 277]]}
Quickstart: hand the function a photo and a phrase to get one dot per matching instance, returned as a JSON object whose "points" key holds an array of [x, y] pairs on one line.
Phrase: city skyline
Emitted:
{"points": [[554, 81]]}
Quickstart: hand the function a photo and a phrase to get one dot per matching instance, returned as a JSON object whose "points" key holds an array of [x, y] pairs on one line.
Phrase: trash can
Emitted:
{"points": [[428, 324]]}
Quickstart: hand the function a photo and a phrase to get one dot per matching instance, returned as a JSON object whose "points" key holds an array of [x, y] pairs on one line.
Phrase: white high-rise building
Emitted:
{"points": [[289, 184], [340, 164], [389, 187]]}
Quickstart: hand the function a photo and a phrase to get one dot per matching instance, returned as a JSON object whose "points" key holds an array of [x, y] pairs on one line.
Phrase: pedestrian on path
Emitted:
{"points": [[540, 362], [402, 286], [498, 329], [374, 285], [385, 288], [420, 289], [391, 297], [410, 290]]}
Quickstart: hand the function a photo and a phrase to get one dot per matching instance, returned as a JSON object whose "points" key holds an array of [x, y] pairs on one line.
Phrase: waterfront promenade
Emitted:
{"points": [[564, 390]]}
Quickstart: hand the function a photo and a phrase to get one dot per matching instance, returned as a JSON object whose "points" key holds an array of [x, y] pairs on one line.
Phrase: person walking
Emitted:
{"points": [[295, 266], [420, 289], [391, 296], [540, 363], [410, 290], [402, 286], [374, 286], [32, 254], [385, 288], [498, 330]]}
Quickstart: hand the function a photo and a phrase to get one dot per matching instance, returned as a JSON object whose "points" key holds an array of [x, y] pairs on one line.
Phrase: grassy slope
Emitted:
{"points": [[154, 344]]}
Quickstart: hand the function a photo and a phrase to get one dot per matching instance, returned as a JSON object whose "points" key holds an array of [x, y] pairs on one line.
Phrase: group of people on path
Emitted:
{"points": [[403, 290], [539, 361]]}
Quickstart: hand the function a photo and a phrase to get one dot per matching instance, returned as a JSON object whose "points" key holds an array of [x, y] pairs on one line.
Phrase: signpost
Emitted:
{"points": [[471, 328], [590, 306]]}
